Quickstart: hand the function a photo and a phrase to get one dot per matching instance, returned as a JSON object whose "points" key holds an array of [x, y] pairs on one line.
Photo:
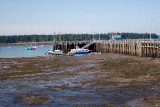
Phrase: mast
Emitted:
{"points": [[54, 42]]}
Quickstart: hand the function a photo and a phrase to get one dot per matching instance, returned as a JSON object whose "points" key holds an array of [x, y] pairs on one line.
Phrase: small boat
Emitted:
{"points": [[50, 51], [42, 45], [30, 48], [35, 47], [55, 52], [79, 51]]}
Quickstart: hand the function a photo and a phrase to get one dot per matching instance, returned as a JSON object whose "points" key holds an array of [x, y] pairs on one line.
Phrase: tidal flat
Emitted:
{"points": [[106, 80]]}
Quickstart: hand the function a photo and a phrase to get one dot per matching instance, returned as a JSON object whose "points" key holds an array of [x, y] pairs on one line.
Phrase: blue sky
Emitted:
{"points": [[78, 16]]}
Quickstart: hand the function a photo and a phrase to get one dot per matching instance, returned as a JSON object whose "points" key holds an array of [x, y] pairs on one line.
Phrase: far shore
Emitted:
{"points": [[25, 43]]}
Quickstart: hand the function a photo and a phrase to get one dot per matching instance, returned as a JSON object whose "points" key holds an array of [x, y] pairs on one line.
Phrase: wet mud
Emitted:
{"points": [[107, 80]]}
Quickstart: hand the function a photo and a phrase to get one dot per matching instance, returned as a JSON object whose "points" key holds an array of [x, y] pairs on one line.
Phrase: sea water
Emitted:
{"points": [[19, 51]]}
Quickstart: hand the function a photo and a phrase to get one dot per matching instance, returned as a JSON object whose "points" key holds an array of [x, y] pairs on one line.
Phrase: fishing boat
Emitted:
{"points": [[55, 52], [79, 51]]}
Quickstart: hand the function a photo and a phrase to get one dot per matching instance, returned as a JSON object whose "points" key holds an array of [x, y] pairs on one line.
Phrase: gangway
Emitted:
{"points": [[85, 46]]}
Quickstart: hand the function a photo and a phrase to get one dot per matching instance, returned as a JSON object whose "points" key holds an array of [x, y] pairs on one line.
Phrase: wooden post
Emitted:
{"points": [[147, 49], [139, 48], [158, 49]]}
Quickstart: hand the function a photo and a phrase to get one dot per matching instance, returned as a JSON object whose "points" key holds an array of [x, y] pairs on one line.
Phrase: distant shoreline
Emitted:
{"points": [[25, 43]]}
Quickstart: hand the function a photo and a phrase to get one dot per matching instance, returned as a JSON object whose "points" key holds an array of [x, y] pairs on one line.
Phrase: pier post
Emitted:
{"points": [[158, 48]]}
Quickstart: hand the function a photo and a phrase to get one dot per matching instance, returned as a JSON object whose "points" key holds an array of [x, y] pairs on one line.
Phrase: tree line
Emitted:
{"points": [[71, 37]]}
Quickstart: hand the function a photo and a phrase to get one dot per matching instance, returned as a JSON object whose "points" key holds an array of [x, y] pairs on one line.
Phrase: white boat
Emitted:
{"points": [[55, 52], [79, 51], [35, 47], [42, 45]]}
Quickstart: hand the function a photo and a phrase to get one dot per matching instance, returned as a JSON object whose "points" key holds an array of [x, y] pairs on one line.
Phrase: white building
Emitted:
{"points": [[116, 37]]}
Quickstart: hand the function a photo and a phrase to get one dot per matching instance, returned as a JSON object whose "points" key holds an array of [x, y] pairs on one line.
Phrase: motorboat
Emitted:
{"points": [[79, 51], [55, 52]]}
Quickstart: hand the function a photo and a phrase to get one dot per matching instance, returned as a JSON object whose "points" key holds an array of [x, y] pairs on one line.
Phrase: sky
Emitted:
{"points": [[18, 17]]}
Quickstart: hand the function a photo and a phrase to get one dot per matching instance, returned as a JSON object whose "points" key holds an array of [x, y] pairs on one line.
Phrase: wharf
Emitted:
{"points": [[135, 47]]}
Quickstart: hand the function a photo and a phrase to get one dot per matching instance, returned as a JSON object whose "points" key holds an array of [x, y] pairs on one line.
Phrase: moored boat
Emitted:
{"points": [[79, 51], [42, 45], [30, 48], [55, 52]]}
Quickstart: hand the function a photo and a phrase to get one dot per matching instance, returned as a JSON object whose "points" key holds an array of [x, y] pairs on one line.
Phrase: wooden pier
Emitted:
{"points": [[66, 46], [135, 47]]}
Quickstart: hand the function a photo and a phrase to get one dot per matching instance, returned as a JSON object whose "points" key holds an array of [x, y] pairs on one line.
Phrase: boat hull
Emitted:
{"points": [[79, 53], [56, 52], [30, 48], [53, 53]]}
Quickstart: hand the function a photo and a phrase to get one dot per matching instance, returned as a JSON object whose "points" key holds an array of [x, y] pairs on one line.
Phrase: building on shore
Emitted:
{"points": [[116, 37]]}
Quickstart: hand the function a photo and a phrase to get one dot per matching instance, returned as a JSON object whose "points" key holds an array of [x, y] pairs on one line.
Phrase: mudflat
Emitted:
{"points": [[90, 80]]}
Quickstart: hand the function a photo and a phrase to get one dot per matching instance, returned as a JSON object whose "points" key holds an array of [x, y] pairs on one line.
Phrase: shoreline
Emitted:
{"points": [[25, 43]]}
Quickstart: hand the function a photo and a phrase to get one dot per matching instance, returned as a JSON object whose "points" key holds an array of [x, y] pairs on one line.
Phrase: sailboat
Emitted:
{"points": [[31, 47], [42, 45]]}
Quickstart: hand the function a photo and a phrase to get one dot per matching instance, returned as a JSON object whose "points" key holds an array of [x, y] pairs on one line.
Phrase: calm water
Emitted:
{"points": [[19, 51]]}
